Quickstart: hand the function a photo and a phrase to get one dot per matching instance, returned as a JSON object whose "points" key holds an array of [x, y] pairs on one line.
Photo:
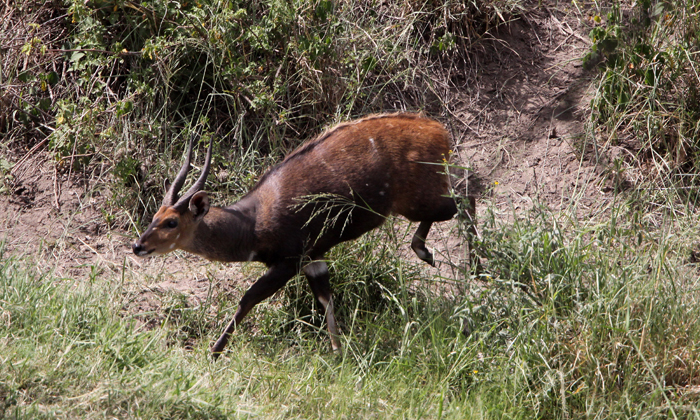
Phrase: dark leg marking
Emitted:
{"points": [[418, 243], [274, 279]]}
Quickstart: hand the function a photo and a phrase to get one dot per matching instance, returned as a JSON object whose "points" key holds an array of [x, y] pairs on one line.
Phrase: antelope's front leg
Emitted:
{"points": [[274, 279]]}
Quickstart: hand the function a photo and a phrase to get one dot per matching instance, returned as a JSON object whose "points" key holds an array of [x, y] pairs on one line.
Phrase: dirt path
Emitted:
{"points": [[517, 112]]}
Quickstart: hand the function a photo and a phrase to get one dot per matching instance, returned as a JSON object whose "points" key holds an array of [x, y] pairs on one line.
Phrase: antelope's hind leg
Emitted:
{"points": [[418, 243], [442, 209], [317, 274]]}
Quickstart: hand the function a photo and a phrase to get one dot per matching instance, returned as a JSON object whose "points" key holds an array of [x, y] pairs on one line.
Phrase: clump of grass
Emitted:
{"points": [[69, 353], [588, 321], [647, 98], [30, 34]]}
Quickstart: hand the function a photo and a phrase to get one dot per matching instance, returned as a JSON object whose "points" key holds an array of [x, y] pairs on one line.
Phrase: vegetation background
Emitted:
{"points": [[589, 295]]}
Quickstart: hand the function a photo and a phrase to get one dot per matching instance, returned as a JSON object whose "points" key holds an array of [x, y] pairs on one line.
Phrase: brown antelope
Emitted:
{"points": [[333, 188]]}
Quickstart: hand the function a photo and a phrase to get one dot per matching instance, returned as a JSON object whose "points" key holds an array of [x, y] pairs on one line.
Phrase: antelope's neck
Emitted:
{"points": [[225, 234]]}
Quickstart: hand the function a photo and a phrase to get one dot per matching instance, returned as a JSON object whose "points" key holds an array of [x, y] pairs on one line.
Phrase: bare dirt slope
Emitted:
{"points": [[517, 113], [525, 134]]}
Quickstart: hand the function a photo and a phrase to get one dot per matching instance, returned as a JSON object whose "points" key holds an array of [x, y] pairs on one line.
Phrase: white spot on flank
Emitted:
{"points": [[386, 185], [252, 255], [330, 167], [177, 237], [374, 146], [172, 245], [273, 182], [381, 193]]}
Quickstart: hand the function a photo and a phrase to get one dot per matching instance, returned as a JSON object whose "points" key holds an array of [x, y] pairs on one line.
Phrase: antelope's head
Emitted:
{"points": [[174, 224]]}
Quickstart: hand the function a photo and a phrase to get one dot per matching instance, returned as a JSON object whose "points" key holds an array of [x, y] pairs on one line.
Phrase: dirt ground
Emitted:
{"points": [[517, 113]]}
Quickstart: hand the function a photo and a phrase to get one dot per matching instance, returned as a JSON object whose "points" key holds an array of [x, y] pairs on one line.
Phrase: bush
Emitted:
{"points": [[109, 79], [648, 95]]}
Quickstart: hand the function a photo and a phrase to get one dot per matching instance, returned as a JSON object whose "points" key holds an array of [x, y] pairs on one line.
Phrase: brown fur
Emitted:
{"points": [[333, 188]]}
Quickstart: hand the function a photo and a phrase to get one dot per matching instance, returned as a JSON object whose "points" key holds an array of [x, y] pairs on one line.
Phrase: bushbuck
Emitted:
{"points": [[334, 188]]}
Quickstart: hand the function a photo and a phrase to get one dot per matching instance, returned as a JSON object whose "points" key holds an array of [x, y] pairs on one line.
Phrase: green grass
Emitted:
{"points": [[568, 321], [647, 94]]}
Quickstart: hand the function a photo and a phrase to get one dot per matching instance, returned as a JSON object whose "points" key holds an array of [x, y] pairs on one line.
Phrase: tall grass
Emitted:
{"points": [[647, 98], [570, 320]]}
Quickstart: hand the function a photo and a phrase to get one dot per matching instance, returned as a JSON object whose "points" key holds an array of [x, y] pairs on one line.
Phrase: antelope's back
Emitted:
{"points": [[390, 163], [381, 164]]}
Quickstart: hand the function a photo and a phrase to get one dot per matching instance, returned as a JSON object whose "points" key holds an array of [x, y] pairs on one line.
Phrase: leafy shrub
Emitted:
{"points": [[108, 76], [648, 90]]}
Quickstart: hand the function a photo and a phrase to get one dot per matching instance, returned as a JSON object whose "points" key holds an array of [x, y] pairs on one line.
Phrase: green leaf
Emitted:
{"points": [[5, 166], [44, 104], [76, 56], [52, 78], [25, 76], [608, 44], [124, 108], [323, 9]]}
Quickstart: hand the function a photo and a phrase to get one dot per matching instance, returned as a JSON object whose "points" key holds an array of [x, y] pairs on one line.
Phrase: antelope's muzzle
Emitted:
{"points": [[140, 250]]}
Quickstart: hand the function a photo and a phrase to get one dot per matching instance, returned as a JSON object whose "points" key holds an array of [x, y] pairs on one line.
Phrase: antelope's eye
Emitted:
{"points": [[172, 223]]}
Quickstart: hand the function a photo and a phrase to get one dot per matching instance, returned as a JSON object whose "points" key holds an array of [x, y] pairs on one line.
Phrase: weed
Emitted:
{"points": [[647, 93]]}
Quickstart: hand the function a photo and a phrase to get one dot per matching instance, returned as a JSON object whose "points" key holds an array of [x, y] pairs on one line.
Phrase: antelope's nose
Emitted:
{"points": [[137, 248]]}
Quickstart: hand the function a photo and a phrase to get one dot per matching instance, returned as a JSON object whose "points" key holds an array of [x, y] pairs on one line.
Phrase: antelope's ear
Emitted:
{"points": [[166, 184], [199, 205]]}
